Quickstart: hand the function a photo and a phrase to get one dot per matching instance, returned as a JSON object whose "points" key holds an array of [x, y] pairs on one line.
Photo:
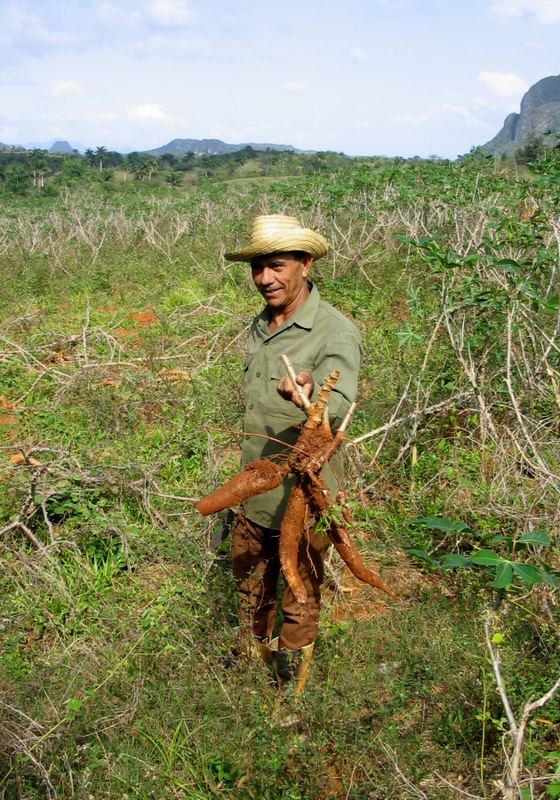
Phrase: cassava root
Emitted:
{"points": [[309, 498]]}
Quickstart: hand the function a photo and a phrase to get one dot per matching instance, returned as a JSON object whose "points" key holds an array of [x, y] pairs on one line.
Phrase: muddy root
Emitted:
{"points": [[291, 531], [258, 477], [350, 554]]}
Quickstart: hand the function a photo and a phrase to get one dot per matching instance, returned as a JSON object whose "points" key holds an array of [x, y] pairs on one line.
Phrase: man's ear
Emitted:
{"points": [[307, 264]]}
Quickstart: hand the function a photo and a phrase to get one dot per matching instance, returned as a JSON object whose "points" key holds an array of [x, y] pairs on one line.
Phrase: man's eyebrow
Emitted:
{"points": [[273, 262]]}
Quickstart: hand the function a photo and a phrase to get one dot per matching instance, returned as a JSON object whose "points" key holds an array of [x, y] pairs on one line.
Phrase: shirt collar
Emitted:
{"points": [[303, 317]]}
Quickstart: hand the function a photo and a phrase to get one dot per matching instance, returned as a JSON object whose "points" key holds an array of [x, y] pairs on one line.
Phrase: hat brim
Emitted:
{"points": [[304, 240]]}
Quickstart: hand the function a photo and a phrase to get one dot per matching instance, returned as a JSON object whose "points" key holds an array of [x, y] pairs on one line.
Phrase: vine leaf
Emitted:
{"points": [[487, 558], [504, 576], [441, 524], [537, 537]]}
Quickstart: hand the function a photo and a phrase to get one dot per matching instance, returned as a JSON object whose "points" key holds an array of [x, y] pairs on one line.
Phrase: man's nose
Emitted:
{"points": [[267, 276]]}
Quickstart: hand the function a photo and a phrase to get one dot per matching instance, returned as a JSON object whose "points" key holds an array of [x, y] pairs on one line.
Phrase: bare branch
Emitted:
{"points": [[441, 406]]}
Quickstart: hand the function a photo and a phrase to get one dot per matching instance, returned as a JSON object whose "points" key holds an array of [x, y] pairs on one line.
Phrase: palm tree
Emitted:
{"points": [[151, 165], [17, 178], [170, 160], [144, 167], [174, 178], [99, 153], [39, 162]]}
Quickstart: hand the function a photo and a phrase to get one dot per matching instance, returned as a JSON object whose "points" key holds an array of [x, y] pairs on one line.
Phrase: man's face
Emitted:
{"points": [[281, 279]]}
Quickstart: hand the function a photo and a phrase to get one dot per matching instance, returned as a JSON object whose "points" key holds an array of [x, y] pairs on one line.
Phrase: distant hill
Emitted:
{"points": [[539, 113], [62, 147], [215, 147], [10, 148], [178, 147]]}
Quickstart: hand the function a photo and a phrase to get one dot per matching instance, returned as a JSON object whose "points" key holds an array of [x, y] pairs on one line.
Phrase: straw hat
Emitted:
{"points": [[275, 233]]}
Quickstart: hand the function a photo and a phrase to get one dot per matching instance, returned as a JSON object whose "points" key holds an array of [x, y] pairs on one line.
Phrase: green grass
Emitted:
{"points": [[120, 371]]}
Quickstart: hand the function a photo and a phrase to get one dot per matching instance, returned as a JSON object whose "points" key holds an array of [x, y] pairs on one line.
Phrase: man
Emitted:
{"points": [[316, 338]]}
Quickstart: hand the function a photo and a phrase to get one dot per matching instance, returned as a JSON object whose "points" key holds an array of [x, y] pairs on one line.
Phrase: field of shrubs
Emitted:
{"points": [[122, 337]]}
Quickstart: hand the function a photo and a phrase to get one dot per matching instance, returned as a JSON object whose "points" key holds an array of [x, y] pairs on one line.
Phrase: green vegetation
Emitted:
{"points": [[122, 333], [40, 173]]}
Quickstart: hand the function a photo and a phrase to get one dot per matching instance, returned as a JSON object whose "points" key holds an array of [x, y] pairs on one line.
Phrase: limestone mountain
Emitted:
{"points": [[62, 147], [213, 147], [539, 114]]}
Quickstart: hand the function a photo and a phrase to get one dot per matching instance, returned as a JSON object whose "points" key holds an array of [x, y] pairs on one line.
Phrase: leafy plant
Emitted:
{"points": [[504, 571]]}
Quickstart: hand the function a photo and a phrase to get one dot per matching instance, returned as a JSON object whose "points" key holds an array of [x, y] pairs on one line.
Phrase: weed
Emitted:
{"points": [[121, 351]]}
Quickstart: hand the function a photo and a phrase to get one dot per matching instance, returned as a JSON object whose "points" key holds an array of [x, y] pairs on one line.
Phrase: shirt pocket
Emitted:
{"points": [[249, 358], [275, 403], [277, 369]]}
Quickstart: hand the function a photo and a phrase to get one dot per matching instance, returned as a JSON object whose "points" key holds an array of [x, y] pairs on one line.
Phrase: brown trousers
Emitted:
{"points": [[256, 569]]}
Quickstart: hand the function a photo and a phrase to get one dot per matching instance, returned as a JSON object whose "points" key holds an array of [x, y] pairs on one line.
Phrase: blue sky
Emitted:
{"points": [[393, 77]]}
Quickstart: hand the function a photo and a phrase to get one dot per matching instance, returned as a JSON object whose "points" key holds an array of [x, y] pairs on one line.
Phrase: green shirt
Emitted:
{"points": [[316, 338]]}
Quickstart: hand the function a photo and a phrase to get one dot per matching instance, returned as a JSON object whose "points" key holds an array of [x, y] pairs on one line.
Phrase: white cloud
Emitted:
{"points": [[503, 84], [162, 42], [170, 12], [479, 103], [463, 112], [294, 86], [61, 88], [545, 11], [117, 17], [396, 4], [357, 54], [103, 116], [413, 119], [30, 27], [149, 111]]}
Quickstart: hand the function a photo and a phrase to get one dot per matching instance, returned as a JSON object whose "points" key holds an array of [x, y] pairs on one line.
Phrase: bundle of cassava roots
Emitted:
{"points": [[309, 499]]}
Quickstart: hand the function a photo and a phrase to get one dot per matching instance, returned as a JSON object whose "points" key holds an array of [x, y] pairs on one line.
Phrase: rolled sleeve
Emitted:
{"points": [[342, 352]]}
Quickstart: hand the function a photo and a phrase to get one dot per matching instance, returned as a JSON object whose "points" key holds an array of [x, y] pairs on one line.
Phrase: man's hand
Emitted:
{"points": [[287, 390]]}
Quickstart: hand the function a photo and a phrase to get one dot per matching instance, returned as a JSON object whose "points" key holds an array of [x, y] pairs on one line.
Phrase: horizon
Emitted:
{"points": [[82, 149], [372, 77]]}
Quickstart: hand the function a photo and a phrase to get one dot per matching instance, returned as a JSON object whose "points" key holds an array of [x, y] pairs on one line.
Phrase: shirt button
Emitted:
{"points": [[250, 406], [258, 374]]}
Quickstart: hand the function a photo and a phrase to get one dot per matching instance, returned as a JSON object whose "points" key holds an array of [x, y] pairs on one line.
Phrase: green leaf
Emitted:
{"points": [[73, 706], [422, 555], [553, 789], [498, 539], [487, 558], [528, 574], [540, 538], [504, 576], [399, 237], [454, 560], [506, 264], [452, 259], [441, 524], [551, 579]]}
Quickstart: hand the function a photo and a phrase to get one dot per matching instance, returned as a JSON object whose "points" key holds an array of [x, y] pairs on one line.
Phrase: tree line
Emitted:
{"points": [[36, 171]]}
